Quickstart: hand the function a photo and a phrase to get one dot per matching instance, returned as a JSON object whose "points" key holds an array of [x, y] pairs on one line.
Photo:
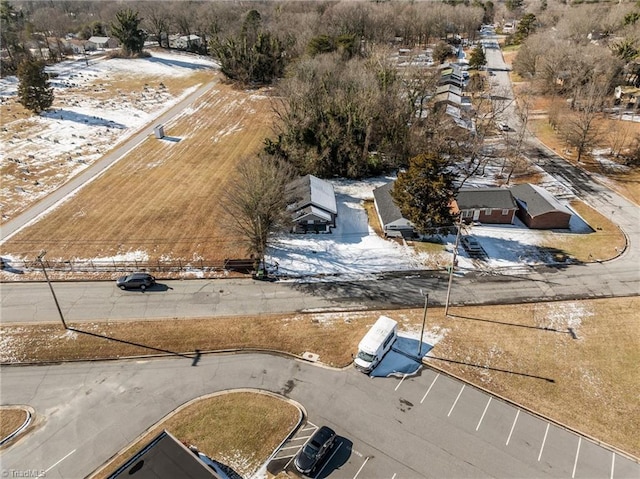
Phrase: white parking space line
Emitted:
{"points": [[361, 467], [432, 383], [544, 439], [456, 401], [319, 474], [47, 470], [613, 462], [513, 426], [290, 447], [483, 413], [400, 382], [575, 463]]}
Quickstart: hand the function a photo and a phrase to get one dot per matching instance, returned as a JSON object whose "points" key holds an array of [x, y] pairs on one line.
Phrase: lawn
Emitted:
{"points": [[11, 418], [523, 352], [248, 427]]}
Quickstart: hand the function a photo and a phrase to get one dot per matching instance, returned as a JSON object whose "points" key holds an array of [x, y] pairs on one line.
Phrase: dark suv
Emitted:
{"points": [[136, 280], [314, 450]]}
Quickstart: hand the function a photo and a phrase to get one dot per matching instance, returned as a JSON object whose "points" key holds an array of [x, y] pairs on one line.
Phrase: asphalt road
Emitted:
{"points": [[97, 301], [424, 426]]}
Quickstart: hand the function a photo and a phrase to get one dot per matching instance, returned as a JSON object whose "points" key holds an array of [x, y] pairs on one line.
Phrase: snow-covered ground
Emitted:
{"points": [[84, 125], [43, 151], [355, 250]]}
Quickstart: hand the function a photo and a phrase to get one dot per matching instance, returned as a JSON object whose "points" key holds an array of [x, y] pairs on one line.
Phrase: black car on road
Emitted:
{"points": [[136, 280], [314, 450]]}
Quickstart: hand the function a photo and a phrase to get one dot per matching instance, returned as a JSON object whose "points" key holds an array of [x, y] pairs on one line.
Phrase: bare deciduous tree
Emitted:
{"points": [[256, 202], [579, 128]]}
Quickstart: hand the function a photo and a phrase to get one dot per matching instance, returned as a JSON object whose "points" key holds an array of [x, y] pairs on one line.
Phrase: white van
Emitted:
{"points": [[376, 343]]}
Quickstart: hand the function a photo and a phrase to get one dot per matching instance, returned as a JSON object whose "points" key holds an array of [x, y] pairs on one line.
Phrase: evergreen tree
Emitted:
{"points": [[126, 28], [526, 26], [424, 193], [34, 92], [477, 58]]}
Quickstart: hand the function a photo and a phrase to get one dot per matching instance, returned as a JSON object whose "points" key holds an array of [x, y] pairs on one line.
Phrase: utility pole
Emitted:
{"points": [[424, 320], [453, 265], [44, 270]]}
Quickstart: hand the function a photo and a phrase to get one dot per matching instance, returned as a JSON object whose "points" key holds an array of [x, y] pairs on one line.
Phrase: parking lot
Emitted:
{"points": [[433, 403]]}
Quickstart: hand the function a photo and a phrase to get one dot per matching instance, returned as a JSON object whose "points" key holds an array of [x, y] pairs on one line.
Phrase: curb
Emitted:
{"points": [[185, 355], [30, 414], [302, 414]]}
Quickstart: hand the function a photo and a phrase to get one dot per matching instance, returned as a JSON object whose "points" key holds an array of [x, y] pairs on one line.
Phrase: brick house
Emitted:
{"points": [[486, 205], [539, 209]]}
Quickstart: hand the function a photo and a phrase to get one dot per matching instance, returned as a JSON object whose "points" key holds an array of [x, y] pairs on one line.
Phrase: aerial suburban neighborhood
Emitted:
{"points": [[343, 238]]}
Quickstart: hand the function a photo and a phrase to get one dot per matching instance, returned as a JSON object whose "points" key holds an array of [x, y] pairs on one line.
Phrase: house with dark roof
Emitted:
{"points": [[539, 209], [391, 219], [314, 209], [165, 457], [486, 205]]}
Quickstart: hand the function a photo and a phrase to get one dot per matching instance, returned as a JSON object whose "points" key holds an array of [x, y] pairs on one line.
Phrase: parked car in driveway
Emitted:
{"points": [[136, 280], [315, 450], [470, 244]]}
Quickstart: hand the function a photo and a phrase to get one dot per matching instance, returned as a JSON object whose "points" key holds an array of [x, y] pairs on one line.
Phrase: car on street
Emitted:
{"points": [[504, 127], [136, 280], [314, 450]]}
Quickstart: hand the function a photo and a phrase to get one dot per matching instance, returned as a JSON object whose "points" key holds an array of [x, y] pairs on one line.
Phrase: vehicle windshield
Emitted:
{"points": [[366, 356], [311, 449]]}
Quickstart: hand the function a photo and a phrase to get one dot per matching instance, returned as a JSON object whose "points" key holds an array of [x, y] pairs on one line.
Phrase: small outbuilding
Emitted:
{"points": [[539, 209], [486, 205], [314, 209], [96, 42], [389, 214]]}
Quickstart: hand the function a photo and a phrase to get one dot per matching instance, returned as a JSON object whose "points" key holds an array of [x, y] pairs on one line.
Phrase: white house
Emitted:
{"points": [[314, 209], [391, 219]]}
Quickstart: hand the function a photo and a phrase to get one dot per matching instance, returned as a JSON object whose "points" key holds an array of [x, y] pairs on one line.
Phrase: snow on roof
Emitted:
{"points": [[99, 39], [310, 190]]}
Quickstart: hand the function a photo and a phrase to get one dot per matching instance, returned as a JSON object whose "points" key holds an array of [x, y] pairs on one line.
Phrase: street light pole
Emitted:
{"points": [[424, 320], [453, 265], [44, 270]]}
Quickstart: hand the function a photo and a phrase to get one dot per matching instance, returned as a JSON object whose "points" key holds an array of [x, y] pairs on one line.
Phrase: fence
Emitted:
{"points": [[159, 266]]}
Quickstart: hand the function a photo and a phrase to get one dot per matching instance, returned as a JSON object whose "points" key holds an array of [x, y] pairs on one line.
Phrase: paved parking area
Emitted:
{"points": [[435, 403]]}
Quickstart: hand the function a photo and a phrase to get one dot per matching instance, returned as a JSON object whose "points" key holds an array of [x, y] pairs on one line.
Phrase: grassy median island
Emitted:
{"points": [[574, 361], [239, 429], [11, 418]]}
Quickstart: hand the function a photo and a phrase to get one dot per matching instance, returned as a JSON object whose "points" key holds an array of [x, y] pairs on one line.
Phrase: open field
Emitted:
{"points": [[96, 107], [163, 198], [239, 429], [523, 352]]}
